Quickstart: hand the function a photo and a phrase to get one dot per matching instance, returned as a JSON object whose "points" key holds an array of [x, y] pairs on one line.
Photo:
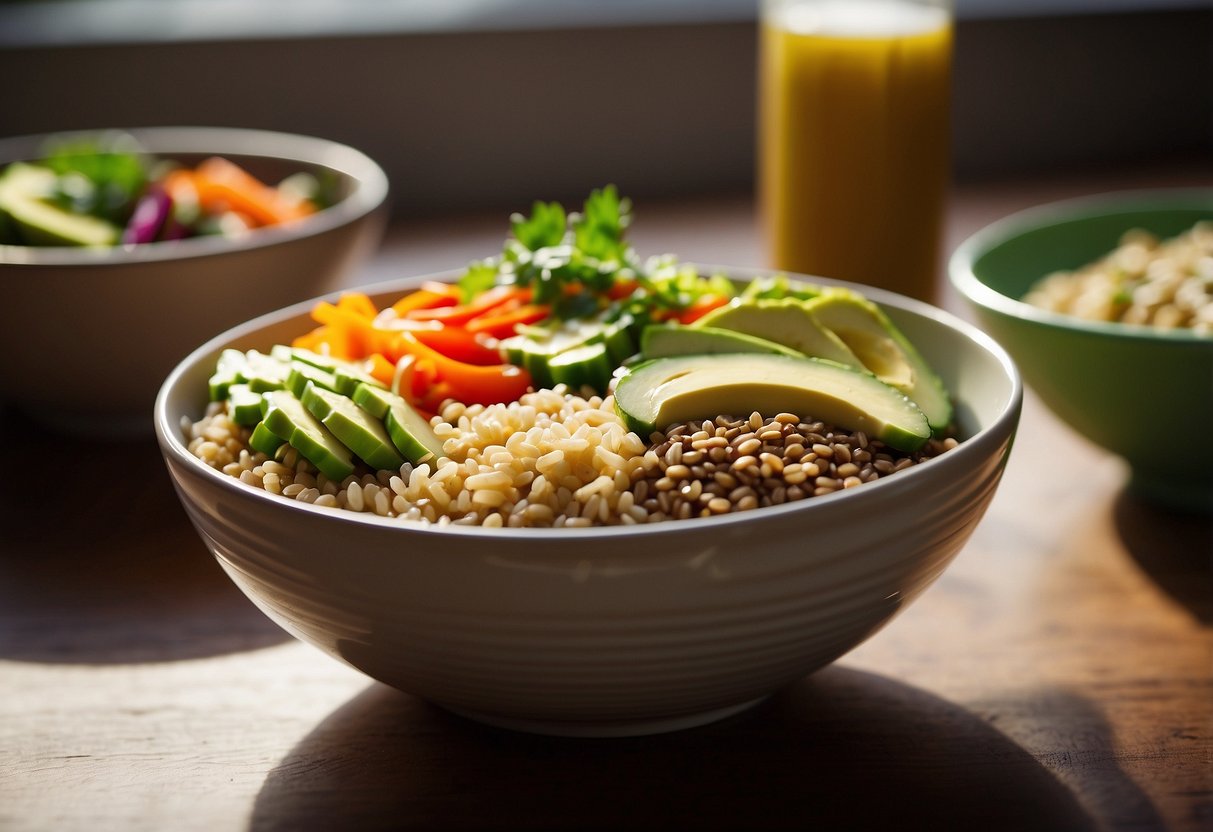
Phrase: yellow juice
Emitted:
{"points": [[854, 139]]}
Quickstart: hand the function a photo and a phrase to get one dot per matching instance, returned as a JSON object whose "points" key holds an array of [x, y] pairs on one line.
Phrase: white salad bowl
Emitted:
{"points": [[89, 334], [614, 630]]}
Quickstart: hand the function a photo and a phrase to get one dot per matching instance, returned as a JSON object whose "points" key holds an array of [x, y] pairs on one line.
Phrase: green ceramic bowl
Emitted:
{"points": [[1141, 393]]}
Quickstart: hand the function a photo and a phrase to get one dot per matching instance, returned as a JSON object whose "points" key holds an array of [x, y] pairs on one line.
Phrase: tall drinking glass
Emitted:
{"points": [[854, 156]]}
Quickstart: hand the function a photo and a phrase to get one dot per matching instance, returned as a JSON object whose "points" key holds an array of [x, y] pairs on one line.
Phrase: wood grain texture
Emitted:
{"points": [[1058, 676]]}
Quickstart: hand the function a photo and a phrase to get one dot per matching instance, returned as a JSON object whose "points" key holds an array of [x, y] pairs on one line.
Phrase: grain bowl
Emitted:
{"points": [[610, 630], [97, 329], [1109, 378]]}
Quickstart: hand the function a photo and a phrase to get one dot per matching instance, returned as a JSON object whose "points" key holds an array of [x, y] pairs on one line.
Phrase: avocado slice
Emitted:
{"points": [[23, 192], [410, 432], [286, 417], [661, 341], [781, 286], [663, 391], [888, 354], [783, 321], [359, 431]]}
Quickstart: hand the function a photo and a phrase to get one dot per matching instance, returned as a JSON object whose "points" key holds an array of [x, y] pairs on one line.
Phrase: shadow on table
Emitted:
{"points": [[99, 562], [1175, 549], [841, 749]]}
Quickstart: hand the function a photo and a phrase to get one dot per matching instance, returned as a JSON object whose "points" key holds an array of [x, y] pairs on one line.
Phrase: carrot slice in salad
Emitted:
{"points": [[223, 185]]}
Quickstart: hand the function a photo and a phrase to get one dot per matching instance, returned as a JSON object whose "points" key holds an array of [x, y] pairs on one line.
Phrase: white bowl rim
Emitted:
{"points": [[369, 193], [168, 432], [960, 264]]}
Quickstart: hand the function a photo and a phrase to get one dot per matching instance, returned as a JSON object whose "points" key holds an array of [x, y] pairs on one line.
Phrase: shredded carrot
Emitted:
{"points": [[358, 303], [429, 296], [463, 313], [223, 185], [502, 322], [382, 369]]}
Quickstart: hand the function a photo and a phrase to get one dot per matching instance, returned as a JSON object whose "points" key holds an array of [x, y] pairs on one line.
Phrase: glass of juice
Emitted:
{"points": [[854, 135]]}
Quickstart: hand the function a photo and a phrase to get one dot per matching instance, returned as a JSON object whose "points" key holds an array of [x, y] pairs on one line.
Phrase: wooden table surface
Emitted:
{"points": [[1058, 676]]}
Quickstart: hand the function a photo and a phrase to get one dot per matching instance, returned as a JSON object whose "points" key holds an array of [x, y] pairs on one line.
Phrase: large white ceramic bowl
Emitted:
{"points": [[89, 335], [615, 630]]}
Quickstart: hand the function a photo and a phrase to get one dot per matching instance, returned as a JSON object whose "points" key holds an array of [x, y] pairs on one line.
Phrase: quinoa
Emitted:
{"points": [[558, 459], [1166, 284]]}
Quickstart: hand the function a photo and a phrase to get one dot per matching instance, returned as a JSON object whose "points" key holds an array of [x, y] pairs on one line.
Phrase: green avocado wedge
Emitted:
{"points": [[884, 351], [785, 322], [663, 341], [664, 391]]}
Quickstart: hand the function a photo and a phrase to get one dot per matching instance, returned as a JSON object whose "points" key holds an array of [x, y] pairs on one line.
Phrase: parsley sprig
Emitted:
{"points": [[573, 260]]}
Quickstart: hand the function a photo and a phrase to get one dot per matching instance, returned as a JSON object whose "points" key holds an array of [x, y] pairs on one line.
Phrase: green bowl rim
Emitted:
{"points": [[960, 264]]}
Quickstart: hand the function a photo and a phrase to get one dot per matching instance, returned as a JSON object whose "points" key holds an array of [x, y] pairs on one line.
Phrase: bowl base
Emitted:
{"points": [[613, 728]]}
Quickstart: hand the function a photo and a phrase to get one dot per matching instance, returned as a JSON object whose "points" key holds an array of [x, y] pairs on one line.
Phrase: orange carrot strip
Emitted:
{"points": [[503, 324], [358, 303], [463, 313], [222, 183], [382, 369], [426, 298]]}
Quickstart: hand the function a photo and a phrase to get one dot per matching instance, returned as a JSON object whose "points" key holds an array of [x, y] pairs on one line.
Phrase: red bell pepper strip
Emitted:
{"points": [[460, 344], [469, 383]]}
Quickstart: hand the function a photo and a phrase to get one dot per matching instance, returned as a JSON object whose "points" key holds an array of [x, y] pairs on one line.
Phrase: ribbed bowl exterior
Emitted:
{"points": [[612, 630]]}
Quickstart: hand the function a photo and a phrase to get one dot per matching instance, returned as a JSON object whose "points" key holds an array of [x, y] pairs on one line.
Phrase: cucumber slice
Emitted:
{"points": [[410, 432], [265, 440], [349, 376], [244, 405], [587, 366], [285, 416], [229, 369], [299, 375], [264, 372], [663, 391], [354, 427]]}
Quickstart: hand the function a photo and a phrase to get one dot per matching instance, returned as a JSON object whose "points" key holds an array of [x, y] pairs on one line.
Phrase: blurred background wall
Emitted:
{"points": [[492, 104]]}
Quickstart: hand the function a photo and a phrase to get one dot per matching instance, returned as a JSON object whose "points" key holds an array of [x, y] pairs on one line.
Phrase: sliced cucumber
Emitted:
{"points": [[285, 416], [410, 432], [244, 405], [354, 427]]}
